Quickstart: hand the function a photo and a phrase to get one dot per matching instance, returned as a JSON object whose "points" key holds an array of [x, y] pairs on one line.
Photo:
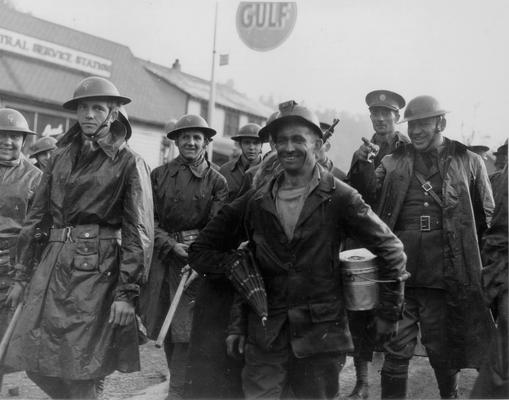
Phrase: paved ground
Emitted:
{"points": [[151, 384]]}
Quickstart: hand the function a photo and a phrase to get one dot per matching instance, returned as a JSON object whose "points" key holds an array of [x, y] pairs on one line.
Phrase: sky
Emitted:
{"points": [[339, 50]]}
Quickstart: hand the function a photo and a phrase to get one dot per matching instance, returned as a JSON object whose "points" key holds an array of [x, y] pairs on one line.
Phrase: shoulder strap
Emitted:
{"points": [[426, 186]]}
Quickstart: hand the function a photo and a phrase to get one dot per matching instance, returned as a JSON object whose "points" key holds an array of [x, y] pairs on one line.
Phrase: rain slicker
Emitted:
{"points": [[468, 198], [17, 186], [182, 201], [106, 197]]}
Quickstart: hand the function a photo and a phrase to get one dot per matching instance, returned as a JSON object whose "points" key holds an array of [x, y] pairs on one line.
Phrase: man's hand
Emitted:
{"points": [[235, 345], [367, 150], [122, 313], [14, 295], [385, 330], [180, 249]]}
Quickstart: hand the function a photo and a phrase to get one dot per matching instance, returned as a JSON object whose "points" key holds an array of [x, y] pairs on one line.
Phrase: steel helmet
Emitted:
{"points": [[13, 121], [264, 133], [93, 87], [43, 144], [290, 111], [423, 107], [124, 120], [170, 125], [248, 131], [194, 122]]}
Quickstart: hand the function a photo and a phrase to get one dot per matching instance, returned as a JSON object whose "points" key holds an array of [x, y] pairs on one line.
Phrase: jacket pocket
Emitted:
{"points": [[86, 253], [324, 312], [88, 262]]}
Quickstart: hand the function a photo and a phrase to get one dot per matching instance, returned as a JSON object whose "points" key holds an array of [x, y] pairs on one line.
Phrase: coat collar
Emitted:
{"points": [[177, 164], [110, 144], [326, 186]]}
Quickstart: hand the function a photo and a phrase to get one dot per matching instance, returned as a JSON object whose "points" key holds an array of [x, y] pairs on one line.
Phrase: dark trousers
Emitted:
{"points": [[58, 388], [425, 309], [176, 357], [493, 379], [279, 374]]}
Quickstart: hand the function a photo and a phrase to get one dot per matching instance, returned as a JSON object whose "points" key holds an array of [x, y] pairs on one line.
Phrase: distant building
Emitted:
{"points": [[42, 62]]}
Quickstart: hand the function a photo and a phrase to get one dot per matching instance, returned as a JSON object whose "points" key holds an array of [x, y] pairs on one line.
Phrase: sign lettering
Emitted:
{"points": [[263, 26], [42, 50]]}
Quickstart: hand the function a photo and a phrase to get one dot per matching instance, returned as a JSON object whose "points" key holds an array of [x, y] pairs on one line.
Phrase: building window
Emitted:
{"points": [[231, 123], [204, 110], [256, 120]]}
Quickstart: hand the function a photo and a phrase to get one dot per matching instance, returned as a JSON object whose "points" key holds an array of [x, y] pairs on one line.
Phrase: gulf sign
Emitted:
{"points": [[263, 26]]}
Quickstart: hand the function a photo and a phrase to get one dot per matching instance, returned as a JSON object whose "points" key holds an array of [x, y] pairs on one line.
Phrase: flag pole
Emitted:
{"points": [[212, 97]]}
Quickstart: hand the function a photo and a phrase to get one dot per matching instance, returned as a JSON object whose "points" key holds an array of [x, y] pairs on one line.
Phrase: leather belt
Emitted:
{"points": [[424, 223], [80, 232], [7, 243], [186, 237]]}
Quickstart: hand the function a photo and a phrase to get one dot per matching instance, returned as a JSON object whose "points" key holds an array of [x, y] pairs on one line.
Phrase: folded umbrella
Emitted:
{"points": [[245, 276]]}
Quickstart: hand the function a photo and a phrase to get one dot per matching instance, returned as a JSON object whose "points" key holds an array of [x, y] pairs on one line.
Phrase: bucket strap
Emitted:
{"points": [[403, 277]]}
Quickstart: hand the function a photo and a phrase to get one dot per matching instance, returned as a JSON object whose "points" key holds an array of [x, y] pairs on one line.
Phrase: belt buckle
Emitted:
{"points": [[425, 223], [426, 186], [67, 233]]}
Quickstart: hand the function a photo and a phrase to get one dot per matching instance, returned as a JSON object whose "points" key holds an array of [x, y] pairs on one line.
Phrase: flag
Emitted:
{"points": [[224, 59]]}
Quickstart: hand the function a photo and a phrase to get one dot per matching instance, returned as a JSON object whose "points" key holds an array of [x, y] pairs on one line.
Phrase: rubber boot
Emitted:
{"points": [[361, 389], [393, 387], [447, 380]]}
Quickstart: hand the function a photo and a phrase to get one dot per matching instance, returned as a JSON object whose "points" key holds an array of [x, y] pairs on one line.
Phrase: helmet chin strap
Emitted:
{"points": [[101, 127]]}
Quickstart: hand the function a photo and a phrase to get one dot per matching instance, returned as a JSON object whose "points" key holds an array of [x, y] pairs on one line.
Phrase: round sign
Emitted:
{"points": [[264, 26]]}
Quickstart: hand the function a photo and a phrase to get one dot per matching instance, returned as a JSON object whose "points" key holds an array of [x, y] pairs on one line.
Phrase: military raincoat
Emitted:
{"points": [[18, 182], [468, 198], [184, 199], [103, 199]]}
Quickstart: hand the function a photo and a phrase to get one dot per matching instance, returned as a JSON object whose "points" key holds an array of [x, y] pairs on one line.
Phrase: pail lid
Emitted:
{"points": [[356, 255]]}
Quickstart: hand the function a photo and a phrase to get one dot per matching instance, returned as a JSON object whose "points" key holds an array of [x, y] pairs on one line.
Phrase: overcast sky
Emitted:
{"points": [[455, 50]]}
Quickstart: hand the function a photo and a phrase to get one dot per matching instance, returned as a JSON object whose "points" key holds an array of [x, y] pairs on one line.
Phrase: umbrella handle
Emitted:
{"points": [[171, 312]]}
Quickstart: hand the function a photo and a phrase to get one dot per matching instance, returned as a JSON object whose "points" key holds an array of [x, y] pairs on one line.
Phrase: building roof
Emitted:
{"points": [[199, 88], [140, 80]]}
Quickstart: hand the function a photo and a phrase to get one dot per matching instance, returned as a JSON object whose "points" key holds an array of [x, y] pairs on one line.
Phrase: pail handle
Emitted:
{"points": [[401, 278]]}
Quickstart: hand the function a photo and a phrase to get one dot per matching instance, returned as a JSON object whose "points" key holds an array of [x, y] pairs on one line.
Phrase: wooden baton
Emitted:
{"points": [[171, 312], [9, 330]]}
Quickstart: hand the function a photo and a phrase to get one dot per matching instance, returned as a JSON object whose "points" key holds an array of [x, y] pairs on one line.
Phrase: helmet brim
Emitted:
{"points": [[239, 137], [277, 123], [14, 130], [41, 150], [73, 103], [424, 116], [208, 132], [264, 134]]}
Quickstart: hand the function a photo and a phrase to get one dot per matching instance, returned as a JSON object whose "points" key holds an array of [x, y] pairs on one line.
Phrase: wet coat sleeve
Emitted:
{"points": [[220, 195], [238, 316], [494, 252], [163, 242], [482, 196], [366, 227], [363, 178], [217, 242], [26, 244], [137, 233]]}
